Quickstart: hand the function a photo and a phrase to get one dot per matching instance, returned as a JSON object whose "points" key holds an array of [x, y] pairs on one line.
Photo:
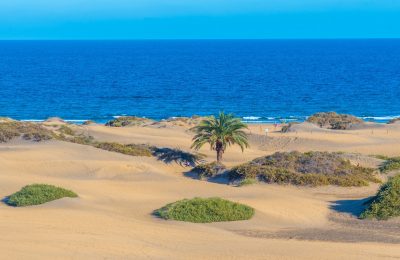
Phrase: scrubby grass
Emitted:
{"points": [[391, 164], [66, 130], [128, 149], [312, 168], [380, 156], [386, 203], [10, 129], [82, 139], [36, 194], [205, 210], [29, 131], [333, 120], [208, 170]]}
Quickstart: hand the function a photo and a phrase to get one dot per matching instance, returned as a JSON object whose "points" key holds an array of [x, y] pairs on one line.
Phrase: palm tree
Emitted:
{"points": [[220, 132]]}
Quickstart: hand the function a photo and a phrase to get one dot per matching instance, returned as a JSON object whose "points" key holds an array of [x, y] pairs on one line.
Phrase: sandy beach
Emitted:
{"points": [[112, 218]]}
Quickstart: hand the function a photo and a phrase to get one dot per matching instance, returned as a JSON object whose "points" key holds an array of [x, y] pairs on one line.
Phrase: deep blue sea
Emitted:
{"points": [[258, 80]]}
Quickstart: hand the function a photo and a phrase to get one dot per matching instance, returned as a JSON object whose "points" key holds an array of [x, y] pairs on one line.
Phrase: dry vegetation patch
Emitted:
{"points": [[129, 121], [10, 129], [312, 168], [333, 120], [208, 170], [67, 134]]}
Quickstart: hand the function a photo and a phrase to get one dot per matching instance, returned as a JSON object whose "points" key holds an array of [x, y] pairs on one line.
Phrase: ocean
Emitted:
{"points": [[257, 80]]}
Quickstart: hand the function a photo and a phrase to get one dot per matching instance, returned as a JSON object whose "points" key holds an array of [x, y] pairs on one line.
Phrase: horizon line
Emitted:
{"points": [[198, 39]]}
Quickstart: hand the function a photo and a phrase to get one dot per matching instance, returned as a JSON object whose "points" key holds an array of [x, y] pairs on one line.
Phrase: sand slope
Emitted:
{"points": [[112, 218]]}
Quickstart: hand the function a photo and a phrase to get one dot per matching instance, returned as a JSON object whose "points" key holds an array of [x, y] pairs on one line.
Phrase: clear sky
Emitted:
{"points": [[198, 19]]}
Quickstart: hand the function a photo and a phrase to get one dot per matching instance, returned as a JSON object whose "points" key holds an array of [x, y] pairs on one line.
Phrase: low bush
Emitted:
{"points": [[333, 120], [36, 194], [386, 203], [205, 210], [208, 170], [312, 168]]}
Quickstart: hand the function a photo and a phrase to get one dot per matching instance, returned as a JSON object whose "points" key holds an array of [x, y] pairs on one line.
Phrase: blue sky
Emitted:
{"points": [[198, 19]]}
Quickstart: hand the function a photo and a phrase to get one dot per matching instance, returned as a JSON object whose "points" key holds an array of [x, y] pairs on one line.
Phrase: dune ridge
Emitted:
{"points": [[112, 218]]}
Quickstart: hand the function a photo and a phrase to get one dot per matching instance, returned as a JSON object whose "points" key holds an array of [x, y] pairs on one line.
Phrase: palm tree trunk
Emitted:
{"points": [[220, 151], [219, 156]]}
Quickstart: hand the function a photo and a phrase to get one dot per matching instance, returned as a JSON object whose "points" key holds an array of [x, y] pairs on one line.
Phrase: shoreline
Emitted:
{"points": [[254, 120]]}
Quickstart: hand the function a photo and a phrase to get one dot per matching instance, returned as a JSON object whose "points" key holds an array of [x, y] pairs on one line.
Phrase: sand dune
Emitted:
{"points": [[112, 218]]}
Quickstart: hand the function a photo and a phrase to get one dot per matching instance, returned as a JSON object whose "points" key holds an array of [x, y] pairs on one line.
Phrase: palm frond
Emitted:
{"points": [[225, 129]]}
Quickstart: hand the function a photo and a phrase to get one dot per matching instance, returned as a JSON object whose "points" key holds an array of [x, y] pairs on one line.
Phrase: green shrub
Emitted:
{"points": [[208, 170], [312, 168], [333, 120], [386, 203], [205, 210], [26, 130], [391, 164], [36, 194], [128, 149]]}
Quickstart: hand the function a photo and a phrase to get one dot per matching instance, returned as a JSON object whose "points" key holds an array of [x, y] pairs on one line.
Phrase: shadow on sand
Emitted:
{"points": [[168, 155], [352, 207], [220, 178], [6, 200]]}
